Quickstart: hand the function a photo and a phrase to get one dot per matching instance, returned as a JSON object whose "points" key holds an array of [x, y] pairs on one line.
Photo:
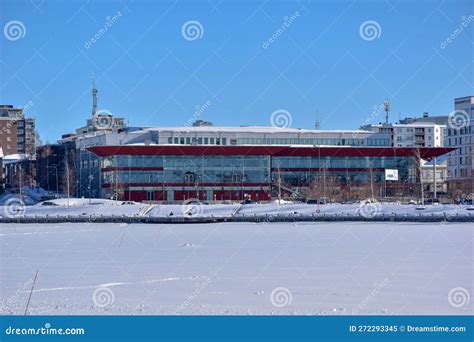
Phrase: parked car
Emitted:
{"points": [[49, 203], [432, 201], [196, 202], [248, 201]]}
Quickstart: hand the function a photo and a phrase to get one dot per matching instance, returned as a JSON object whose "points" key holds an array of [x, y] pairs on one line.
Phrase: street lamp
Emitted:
{"points": [[91, 178]]}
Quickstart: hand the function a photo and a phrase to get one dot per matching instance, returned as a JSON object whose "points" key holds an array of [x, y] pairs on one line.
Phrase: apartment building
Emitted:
{"points": [[17, 132], [461, 137], [416, 134]]}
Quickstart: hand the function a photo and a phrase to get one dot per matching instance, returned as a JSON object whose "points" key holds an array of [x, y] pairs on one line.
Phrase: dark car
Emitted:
{"points": [[432, 201], [47, 203], [248, 201]]}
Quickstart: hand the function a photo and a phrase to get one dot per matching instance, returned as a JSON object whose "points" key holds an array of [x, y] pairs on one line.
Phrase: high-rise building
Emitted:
{"points": [[17, 132], [461, 136]]}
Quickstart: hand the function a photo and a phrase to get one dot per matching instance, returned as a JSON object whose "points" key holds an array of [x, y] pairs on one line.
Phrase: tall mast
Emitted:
{"points": [[94, 97]]}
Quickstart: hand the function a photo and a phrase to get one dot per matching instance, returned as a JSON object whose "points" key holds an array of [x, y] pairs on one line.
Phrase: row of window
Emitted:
{"points": [[194, 163], [197, 141], [342, 162], [173, 162], [278, 141], [460, 131], [187, 177]]}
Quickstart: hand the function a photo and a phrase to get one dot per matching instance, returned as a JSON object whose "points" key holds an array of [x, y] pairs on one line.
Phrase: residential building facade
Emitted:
{"points": [[17, 132], [417, 134], [461, 138]]}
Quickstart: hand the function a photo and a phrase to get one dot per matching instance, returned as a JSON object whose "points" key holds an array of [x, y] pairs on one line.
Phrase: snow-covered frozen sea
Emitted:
{"points": [[236, 268]]}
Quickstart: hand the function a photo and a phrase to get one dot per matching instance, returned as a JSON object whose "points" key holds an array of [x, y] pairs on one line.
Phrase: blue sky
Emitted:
{"points": [[319, 65]]}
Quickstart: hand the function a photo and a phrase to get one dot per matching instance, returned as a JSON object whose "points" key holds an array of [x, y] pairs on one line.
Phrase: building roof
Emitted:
{"points": [[270, 150], [411, 124], [246, 129]]}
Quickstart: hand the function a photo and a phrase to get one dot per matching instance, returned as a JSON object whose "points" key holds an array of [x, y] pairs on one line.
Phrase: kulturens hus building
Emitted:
{"points": [[259, 163]]}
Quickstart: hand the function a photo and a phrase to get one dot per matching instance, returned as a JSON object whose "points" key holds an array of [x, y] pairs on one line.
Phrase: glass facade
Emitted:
{"points": [[236, 177]]}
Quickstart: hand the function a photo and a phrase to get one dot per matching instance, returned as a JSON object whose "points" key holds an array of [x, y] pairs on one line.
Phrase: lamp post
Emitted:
{"points": [[91, 178]]}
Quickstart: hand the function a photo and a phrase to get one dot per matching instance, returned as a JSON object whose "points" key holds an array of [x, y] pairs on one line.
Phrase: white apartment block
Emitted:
{"points": [[418, 134], [461, 136]]}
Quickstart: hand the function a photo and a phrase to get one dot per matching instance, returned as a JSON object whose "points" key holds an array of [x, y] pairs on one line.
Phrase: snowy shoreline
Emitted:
{"points": [[103, 211]]}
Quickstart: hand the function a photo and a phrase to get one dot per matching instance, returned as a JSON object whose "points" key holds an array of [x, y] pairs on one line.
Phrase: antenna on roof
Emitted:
{"points": [[386, 107], [94, 96], [317, 123]]}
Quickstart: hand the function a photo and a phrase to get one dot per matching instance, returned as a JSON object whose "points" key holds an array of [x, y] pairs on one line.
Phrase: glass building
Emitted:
{"points": [[220, 173]]}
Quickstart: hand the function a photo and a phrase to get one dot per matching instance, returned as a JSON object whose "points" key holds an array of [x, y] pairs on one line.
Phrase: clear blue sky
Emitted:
{"points": [[318, 66]]}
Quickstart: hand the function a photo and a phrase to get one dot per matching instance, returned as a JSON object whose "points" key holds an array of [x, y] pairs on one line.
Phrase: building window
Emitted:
{"points": [[236, 178], [189, 177], [150, 195]]}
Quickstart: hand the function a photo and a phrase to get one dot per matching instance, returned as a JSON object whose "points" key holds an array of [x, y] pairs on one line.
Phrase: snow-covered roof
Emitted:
{"points": [[246, 129], [16, 156], [412, 124]]}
